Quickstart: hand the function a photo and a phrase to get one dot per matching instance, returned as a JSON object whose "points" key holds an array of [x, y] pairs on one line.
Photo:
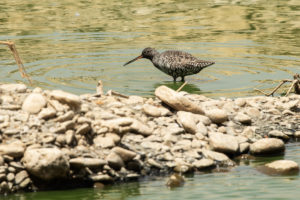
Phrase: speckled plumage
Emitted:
{"points": [[174, 63]]}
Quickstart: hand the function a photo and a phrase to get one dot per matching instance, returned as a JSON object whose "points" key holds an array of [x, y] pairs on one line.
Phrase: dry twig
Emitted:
{"points": [[180, 88], [295, 84], [19, 62]]}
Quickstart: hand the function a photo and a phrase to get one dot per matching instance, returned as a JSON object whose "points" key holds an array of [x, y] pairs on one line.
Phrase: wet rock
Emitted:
{"points": [[223, 143], [125, 154], [217, 116], [100, 178], [13, 87], [187, 120], [33, 103], [115, 161], [155, 111], [92, 163], [46, 163], [267, 146], [177, 101], [283, 167], [65, 97], [278, 134], [104, 142], [204, 163], [15, 149], [175, 180]]}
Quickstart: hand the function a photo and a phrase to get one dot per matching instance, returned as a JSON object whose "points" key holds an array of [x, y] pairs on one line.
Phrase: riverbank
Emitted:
{"points": [[54, 139]]}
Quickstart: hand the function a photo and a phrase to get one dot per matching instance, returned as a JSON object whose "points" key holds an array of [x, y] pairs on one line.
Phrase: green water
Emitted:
{"points": [[71, 45], [241, 182]]}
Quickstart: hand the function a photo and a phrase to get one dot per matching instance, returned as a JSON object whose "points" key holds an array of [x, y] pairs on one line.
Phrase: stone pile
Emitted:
{"points": [[47, 136]]}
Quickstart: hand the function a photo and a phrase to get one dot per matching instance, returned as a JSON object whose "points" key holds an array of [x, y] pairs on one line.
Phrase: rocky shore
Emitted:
{"points": [[54, 139]]}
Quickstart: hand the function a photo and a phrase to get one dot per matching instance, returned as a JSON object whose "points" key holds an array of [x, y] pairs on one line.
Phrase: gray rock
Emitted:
{"points": [[204, 163], [115, 161], [177, 101], [215, 156], [46, 163], [125, 154], [22, 175], [278, 134], [267, 146], [104, 142], [13, 87], [25, 183], [187, 120], [283, 166], [33, 103], [216, 115], [92, 163], [15, 149], [155, 111], [47, 113], [223, 143], [65, 97], [243, 118]]}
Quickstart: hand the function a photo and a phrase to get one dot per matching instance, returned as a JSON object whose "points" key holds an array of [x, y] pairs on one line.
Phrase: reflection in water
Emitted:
{"points": [[71, 45], [190, 88]]}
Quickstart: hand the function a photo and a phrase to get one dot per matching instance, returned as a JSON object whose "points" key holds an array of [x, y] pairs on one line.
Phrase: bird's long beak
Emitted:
{"points": [[139, 57]]}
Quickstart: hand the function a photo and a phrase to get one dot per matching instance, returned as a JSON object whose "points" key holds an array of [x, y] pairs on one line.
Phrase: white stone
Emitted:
{"points": [[216, 115], [65, 97], [223, 143], [33, 103], [267, 146]]}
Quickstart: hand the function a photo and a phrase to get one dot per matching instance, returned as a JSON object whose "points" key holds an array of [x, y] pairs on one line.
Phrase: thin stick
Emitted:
{"points": [[294, 82], [110, 92], [181, 86], [275, 89], [18, 60]]}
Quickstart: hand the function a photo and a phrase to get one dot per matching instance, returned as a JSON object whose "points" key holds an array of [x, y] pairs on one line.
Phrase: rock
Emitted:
{"points": [[100, 178], [223, 143], [33, 103], [267, 146], [115, 161], [47, 113], [215, 156], [65, 117], [65, 97], [253, 112], [15, 149], [141, 128], [22, 175], [278, 134], [104, 142], [92, 163], [125, 154], [83, 129], [175, 180], [155, 111], [25, 183], [14, 87], [297, 134], [242, 118], [283, 167], [177, 101], [244, 147], [204, 163], [153, 163], [187, 120], [217, 116], [46, 163], [70, 137], [10, 177]]}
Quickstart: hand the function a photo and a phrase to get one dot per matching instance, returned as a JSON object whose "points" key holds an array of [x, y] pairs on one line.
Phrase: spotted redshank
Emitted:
{"points": [[174, 63]]}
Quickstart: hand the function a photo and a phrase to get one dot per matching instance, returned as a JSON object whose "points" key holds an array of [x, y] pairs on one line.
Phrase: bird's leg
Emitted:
{"points": [[182, 79]]}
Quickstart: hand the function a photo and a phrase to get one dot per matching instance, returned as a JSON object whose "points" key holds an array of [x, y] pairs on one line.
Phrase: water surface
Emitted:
{"points": [[72, 44]]}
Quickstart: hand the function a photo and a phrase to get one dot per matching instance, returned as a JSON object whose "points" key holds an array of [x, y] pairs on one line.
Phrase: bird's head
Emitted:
{"points": [[146, 53]]}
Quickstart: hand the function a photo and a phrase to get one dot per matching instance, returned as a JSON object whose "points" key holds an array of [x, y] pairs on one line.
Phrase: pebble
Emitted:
{"points": [[15, 149], [92, 163], [278, 134], [115, 161], [283, 167], [13, 87], [223, 143], [217, 156], [125, 154], [65, 97], [204, 163], [33, 103], [187, 120], [22, 175], [104, 142], [243, 118]]}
